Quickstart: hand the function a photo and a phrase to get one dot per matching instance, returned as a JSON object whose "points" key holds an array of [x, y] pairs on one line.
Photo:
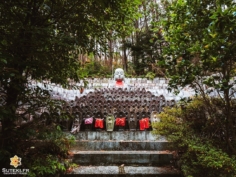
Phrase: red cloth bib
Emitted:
{"points": [[119, 83], [120, 121], [98, 123], [144, 123]]}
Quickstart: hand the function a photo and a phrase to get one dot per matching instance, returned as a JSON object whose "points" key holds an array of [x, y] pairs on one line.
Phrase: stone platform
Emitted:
{"points": [[126, 171], [112, 145], [119, 136], [159, 158], [122, 153]]}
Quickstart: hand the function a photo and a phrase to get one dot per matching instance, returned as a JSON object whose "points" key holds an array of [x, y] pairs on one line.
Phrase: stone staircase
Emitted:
{"points": [[122, 153]]}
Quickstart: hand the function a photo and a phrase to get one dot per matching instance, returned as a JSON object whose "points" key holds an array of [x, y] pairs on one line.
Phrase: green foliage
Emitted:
{"points": [[201, 52], [44, 148], [200, 37], [48, 165], [42, 40], [93, 69], [201, 157], [198, 137], [147, 42], [150, 75], [47, 39], [146, 51]]}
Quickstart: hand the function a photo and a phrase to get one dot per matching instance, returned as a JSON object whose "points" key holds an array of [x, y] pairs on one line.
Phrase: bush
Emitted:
{"points": [[93, 69], [40, 142], [150, 75], [197, 135]]}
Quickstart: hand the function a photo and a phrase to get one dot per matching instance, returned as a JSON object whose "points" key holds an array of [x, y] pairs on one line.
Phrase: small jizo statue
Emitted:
{"points": [[110, 120], [76, 124], [88, 122], [119, 77], [155, 117], [132, 121]]}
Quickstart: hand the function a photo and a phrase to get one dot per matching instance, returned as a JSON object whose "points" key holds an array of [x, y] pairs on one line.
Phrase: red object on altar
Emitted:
{"points": [[144, 123], [120, 121], [98, 123], [119, 83]]}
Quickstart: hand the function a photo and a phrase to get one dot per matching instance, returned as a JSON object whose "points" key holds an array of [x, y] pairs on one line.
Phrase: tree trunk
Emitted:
{"points": [[14, 88], [230, 130], [111, 54], [125, 62]]}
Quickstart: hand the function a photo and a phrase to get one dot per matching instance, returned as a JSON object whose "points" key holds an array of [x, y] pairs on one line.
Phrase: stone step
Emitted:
{"points": [[118, 135], [123, 171], [122, 157], [82, 145]]}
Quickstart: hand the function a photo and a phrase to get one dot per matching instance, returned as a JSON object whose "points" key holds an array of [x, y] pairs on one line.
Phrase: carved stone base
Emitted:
{"points": [[88, 127]]}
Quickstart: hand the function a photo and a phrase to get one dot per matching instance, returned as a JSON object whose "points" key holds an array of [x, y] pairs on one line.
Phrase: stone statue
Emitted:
{"points": [[132, 121], [119, 77], [155, 117], [110, 122], [76, 124]]}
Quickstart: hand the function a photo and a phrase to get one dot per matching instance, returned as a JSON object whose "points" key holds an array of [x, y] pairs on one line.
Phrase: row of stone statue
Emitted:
{"points": [[113, 123], [112, 109], [95, 122], [102, 110], [120, 95], [116, 100], [116, 109]]}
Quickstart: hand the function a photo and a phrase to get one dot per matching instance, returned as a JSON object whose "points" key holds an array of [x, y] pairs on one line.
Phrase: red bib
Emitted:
{"points": [[144, 123], [98, 123], [120, 121]]}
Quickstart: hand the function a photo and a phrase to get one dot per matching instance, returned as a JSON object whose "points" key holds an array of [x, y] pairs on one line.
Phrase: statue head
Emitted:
{"points": [[119, 74]]}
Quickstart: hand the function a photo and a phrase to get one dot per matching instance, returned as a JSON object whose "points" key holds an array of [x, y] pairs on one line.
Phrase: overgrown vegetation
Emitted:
{"points": [[37, 139], [201, 54], [94, 69], [45, 151], [199, 135], [41, 40]]}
